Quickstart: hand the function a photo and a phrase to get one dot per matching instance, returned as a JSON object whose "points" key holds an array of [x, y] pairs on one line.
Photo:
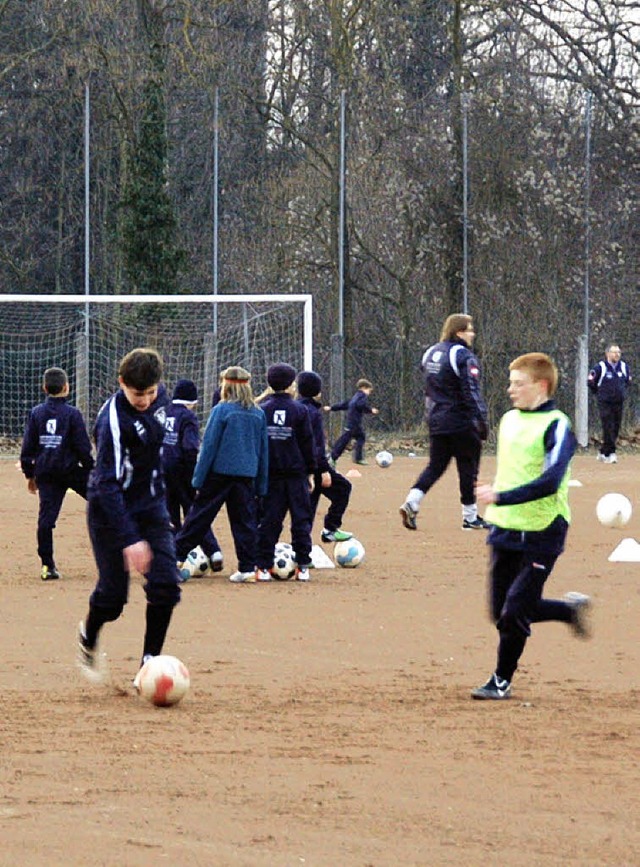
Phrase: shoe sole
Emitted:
{"points": [[480, 695], [407, 522]]}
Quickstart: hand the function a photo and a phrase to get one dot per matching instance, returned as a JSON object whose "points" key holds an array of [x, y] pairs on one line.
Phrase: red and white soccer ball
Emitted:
{"points": [[163, 680]]}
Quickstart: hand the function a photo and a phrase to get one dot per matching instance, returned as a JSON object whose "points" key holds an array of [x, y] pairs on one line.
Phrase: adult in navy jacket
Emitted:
{"points": [[457, 419], [609, 380]]}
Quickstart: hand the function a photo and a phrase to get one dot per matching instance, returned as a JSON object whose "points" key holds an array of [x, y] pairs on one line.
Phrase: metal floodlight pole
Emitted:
{"points": [[87, 177], [582, 366], [83, 400], [587, 209], [341, 216], [464, 102], [215, 204]]}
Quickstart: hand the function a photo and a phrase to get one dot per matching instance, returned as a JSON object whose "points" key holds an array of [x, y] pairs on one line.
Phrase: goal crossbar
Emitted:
{"points": [[305, 299], [197, 335]]}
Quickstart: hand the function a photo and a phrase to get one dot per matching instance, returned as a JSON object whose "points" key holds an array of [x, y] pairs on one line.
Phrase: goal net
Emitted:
{"points": [[197, 336]]}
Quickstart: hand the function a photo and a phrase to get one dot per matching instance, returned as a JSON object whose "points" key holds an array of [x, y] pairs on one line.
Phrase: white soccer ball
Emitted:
{"points": [[163, 680], [284, 563], [349, 553], [196, 564], [614, 510], [384, 459]]}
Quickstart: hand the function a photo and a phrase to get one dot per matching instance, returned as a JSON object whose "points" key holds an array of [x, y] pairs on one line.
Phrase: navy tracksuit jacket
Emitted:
{"points": [[56, 452], [292, 459]]}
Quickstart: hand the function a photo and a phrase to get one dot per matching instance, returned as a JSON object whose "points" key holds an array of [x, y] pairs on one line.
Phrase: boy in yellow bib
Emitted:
{"points": [[528, 509]]}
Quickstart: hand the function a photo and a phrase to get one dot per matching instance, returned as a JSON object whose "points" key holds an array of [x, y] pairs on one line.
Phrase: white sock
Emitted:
{"points": [[414, 498], [470, 513]]}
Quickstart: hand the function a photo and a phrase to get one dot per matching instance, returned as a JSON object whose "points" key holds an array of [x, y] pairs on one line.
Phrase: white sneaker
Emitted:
{"points": [[243, 578], [263, 575], [601, 457], [580, 605], [90, 662], [613, 458], [303, 574], [135, 683]]}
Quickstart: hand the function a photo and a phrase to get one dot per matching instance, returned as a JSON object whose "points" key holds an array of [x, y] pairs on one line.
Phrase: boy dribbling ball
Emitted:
{"points": [[127, 511]]}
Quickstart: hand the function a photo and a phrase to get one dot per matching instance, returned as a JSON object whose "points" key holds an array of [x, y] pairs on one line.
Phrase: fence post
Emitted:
{"points": [[581, 393]]}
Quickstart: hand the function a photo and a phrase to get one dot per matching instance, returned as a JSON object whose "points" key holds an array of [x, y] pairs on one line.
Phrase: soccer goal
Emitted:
{"points": [[197, 336]]}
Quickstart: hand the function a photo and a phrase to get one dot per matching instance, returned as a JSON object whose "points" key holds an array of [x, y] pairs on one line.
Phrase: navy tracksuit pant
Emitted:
{"points": [[180, 496], [465, 447], [356, 434], [51, 492], [517, 583], [611, 418], [338, 495], [238, 494], [288, 494]]}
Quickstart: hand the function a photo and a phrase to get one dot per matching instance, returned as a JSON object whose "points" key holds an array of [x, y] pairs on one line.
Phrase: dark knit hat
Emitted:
{"points": [[280, 376], [309, 383], [185, 391]]}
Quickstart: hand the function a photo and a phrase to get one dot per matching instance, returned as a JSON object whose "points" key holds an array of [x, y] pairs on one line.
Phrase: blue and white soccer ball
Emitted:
{"points": [[284, 562], [349, 553], [384, 459], [195, 566]]}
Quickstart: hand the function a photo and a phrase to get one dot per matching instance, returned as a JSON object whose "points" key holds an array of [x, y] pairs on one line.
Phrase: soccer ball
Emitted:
{"points": [[349, 553], [163, 680], [384, 459], [284, 562], [195, 566], [614, 510]]}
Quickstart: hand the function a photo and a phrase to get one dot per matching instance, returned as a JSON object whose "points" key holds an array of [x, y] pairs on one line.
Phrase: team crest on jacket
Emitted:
{"points": [[280, 417], [160, 415], [51, 425]]}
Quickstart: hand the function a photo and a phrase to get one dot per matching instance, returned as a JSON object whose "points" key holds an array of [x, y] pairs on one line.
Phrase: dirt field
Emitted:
{"points": [[327, 724]]}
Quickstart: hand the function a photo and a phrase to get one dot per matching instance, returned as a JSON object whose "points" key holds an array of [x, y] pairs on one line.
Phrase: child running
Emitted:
{"points": [[357, 407], [179, 456], [55, 456], [529, 514], [127, 512], [232, 469], [326, 480], [292, 463]]}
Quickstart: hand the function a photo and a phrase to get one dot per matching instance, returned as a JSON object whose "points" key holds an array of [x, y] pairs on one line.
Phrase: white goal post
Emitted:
{"points": [[197, 336]]}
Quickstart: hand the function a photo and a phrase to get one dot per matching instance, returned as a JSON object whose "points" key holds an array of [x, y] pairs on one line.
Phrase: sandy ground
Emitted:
{"points": [[327, 724]]}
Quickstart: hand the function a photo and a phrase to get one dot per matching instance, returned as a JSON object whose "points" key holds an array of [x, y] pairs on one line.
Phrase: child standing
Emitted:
{"points": [[232, 468], [326, 479], [292, 463], [127, 511], [55, 456], [179, 455], [529, 514], [354, 428]]}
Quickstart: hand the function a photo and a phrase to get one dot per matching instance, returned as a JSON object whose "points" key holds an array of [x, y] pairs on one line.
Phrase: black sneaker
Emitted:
{"points": [[478, 524], [49, 573], [580, 605], [408, 516], [495, 688], [216, 562]]}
